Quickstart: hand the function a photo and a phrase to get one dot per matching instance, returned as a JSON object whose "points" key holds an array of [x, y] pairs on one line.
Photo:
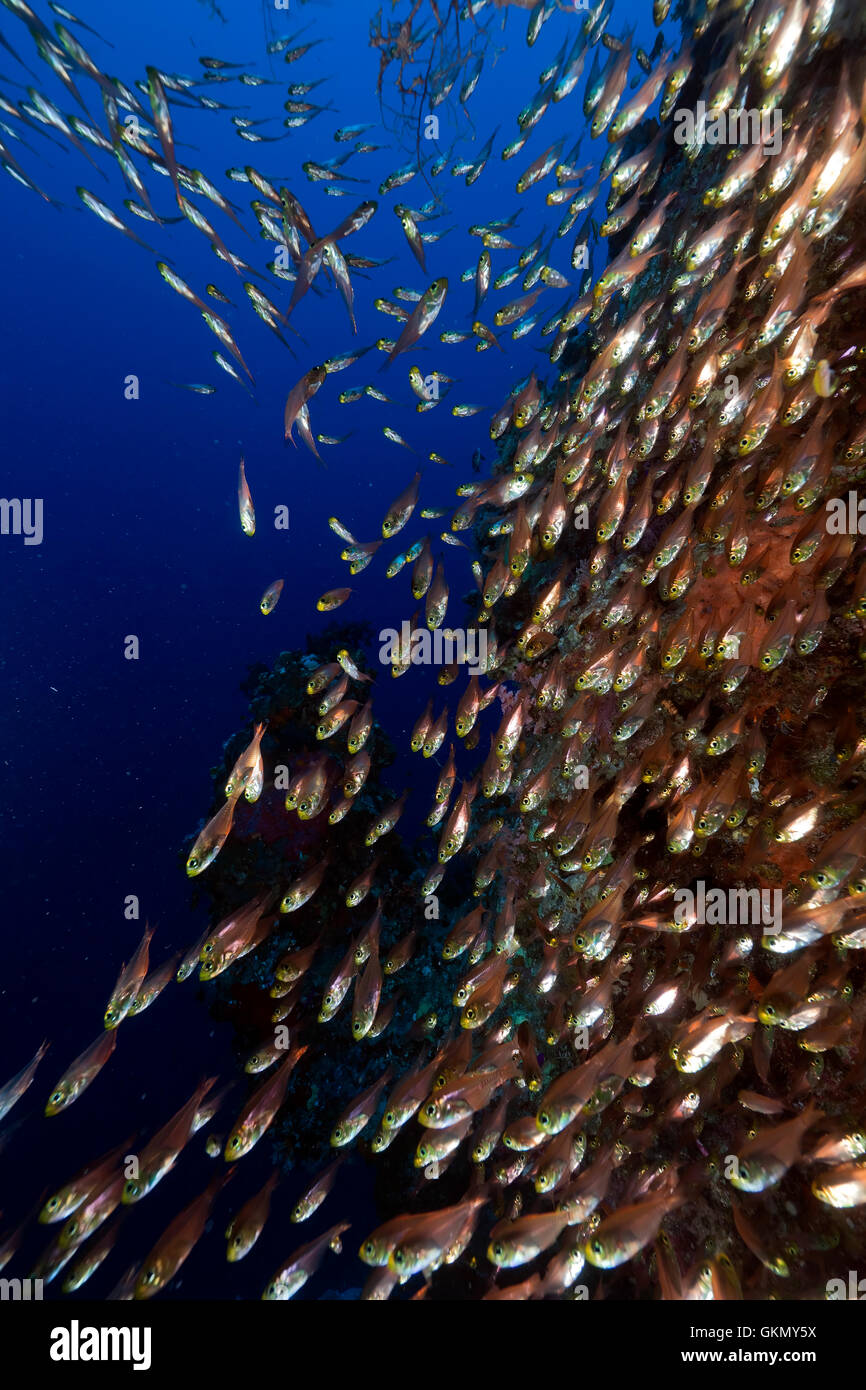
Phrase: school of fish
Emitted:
{"points": [[618, 1099]]}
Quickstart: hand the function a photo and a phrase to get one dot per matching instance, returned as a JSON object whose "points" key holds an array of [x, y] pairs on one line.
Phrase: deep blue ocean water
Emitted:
{"points": [[106, 761]]}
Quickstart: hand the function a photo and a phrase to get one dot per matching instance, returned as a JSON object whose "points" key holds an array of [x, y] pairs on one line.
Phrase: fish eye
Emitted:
{"points": [[149, 1276], [498, 1250], [57, 1098], [72, 1227], [192, 862], [543, 1119], [597, 1247]]}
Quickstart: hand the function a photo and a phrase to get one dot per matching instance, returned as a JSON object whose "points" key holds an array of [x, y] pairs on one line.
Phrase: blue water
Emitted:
{"points": [[106, 761]]}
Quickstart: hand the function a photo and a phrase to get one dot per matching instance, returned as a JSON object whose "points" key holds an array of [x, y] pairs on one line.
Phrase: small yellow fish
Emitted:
{"points": [[271, 596], [334, 598]]}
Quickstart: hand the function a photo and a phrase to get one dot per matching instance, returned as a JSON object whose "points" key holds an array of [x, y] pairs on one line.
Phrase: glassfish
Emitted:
{"points": [[259, 1112], [129, 982], [244, 1229], [294, 1274], [81, 1073], [14, 1089], [270, 597], [177, 1241], [212, 838]]}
